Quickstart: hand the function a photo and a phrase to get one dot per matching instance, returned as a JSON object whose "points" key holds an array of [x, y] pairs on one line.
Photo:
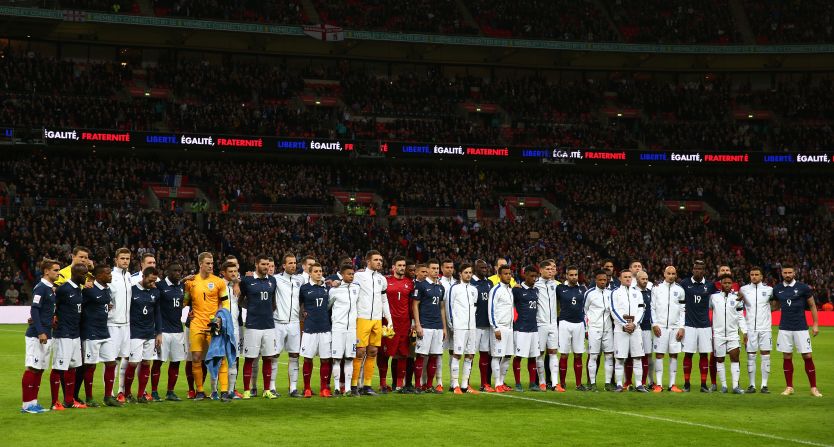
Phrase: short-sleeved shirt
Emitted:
{"points": [[482, 305], [315, 300], [68, 300], [206, 296], [94, 310], [260, 296], [171, 303], [526, 301], [793, 299], [143, 307], [571, 303], [399, 293], [696, 295], [43, 299], [430, 296]]}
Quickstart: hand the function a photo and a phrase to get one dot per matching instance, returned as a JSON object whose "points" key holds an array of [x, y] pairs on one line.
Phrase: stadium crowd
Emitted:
{"points": [[756, 215], [669, 22], [265, 99]]}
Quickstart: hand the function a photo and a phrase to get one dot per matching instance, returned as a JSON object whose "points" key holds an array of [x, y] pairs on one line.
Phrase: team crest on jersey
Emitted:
{"points": [[36, 299], [764, 294], [675, 294], [211, 286]]}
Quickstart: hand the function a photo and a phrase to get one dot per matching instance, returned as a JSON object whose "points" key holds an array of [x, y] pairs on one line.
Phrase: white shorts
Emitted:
{"points": [[141, 349], [484, 336], [67, 353], [288, 337], [343, 344], [626, 345], [667, 343], [259, 343], [92, 351], [37, 354], [505, 346], [118, 345], [759, 341], [647, 341], [721, 346], [786, 341], [526, 344], [548, 337], [173, 347], [449, 342], [697, 340], [466, 341], [316, 344], [431, 343], [571, 338], [187, 345], [600, 341]]}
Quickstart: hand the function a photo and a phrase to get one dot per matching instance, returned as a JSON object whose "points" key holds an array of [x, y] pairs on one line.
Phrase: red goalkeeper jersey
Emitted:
{"points": [[399, 299]]}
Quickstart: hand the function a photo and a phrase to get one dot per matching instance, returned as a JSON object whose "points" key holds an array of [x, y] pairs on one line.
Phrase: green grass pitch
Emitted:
{"points": [[571, 418]]}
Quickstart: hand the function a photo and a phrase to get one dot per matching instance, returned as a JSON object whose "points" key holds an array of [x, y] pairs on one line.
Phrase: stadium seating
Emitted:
{"points": [[757, 219], [614, 110]]}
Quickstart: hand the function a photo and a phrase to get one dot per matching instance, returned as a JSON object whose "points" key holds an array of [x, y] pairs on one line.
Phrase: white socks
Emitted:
{"points": [[553, 365], [122, 368], [673, 370], [765, 368], [438, 375], [467, 370], [293, 374], [505, 366], [256, 367], [638, 371], [721, 375], [348, 374], [274, 363], [658, 372], [496, 371], [592, 368], [751, 368], [337, 373], [232, 376], [455, 368], [609, 366], [619, 371], [735, 371]]}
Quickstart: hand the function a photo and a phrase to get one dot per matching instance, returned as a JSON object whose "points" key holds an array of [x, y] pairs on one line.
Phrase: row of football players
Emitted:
{"points": [[551, 316]]}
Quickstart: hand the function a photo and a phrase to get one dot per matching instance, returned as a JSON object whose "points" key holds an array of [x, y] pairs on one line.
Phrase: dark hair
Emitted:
{"points": [[398, 259], [150, 271], [531, 268], [260, 258], [225, 266], [725, 276], [432, 261], [624, 271], [756, 268], [47, 264], [504, 267], [172, 265], [79, 248], [630, 263], [546, 263], [700, 262], [788, 265], [571, 267], [448, 261], [464, 266], [345, 267], [600, 272], [99, 268]]}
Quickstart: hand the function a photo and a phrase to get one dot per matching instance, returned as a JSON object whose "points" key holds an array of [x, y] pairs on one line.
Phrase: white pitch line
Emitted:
{"points": [[663, 419]]}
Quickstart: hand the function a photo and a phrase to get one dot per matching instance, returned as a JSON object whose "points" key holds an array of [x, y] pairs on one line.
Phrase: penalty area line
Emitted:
{"points": [[664, 419]]}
